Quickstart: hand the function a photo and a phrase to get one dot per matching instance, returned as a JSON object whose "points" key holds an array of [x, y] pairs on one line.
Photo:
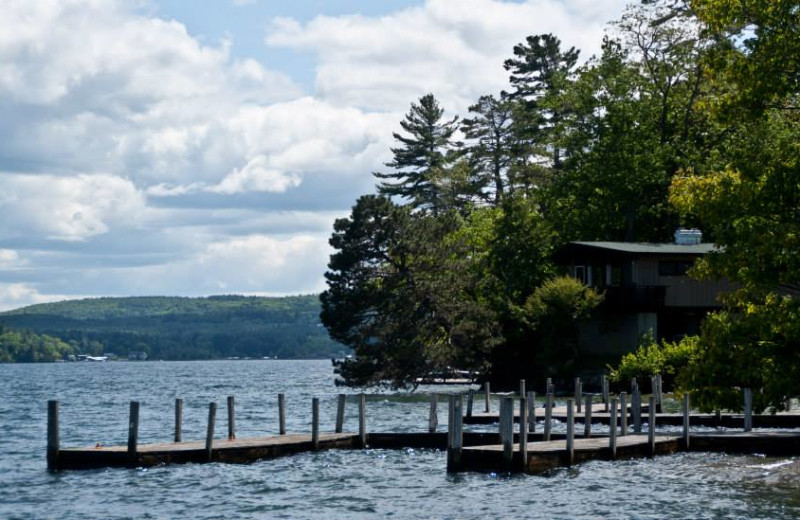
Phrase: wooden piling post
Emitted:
{"points": [[315, 423], [282, 414], [455, 441], [570, 432], [578, 394], [623, 414], [178, 420], [549, 387], [507, 430], [433, 418], [612, 428], [487, 397], [686, 419], [587, 421], [53, 442], [531, 405], [651, 432], [133, 434], [548, 416], [362, 420], [660, 386], [604, 384], [748, 410], [522, 388], [470, 401], [231, 419], [212, 412], [340, 413], [523, 431], [636, 409]]}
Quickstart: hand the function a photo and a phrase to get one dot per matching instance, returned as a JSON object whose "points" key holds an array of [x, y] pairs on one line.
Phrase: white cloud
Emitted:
{"points": [[137, 158], [10, 259], [256, 176], [67, 208], [16, 295], [453, 48]]}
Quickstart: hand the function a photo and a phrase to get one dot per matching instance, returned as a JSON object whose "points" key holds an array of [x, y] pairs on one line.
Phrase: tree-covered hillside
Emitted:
{"points": [[184, 328]]}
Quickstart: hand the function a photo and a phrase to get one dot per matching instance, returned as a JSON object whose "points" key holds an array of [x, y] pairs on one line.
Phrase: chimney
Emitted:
{"points": [[688, 237]]}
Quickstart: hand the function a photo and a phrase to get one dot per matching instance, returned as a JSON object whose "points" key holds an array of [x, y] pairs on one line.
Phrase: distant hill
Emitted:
{"points": [[184, 328]]}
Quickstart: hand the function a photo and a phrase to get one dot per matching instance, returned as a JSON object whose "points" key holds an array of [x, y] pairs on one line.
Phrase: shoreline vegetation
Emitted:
{"points": [[168, 328]]}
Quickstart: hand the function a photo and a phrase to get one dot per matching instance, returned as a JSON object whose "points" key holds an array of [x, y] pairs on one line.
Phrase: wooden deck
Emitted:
{"points": [[236, 451], [546, 456]]}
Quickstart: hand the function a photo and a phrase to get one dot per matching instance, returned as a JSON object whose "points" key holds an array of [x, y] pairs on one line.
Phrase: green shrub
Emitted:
{"points": [[651, 358]]}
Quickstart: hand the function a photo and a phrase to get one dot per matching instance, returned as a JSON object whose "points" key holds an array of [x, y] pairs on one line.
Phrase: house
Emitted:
{"points": [[646, 289]]}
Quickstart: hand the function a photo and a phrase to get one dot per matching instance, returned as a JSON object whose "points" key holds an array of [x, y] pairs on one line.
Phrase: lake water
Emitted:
{"points": [[348, 484]]}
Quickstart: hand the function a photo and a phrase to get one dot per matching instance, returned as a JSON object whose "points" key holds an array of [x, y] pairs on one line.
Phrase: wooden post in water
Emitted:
{"points": [[470, 401], [548, 416], [686, 419], [612, 428], [570, 432], [523, 431], [212, 412], [455, 441], [531, 405], [178, 420], [362, 420], [487, 397], [507, 430], [587, 421], [623, 414], [522, 388], [604, 384], [651, 423], [53, 442], [660, 385], [433, 417], [133, 434], [282, 414], [231, 419], [636, 409], [634, 385], [748, 409], [550, 389], [578, 393], [340, 413], [315, 423]]}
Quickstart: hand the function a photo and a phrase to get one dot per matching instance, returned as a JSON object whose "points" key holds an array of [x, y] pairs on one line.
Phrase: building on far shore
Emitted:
{"points": [[646, 289]]}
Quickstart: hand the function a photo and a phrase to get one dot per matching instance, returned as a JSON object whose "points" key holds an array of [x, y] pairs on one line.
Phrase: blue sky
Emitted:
{"points": [[195, 148]]}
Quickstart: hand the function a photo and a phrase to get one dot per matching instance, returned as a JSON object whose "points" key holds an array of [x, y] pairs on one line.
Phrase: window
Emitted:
{"points": [[674, 267]]}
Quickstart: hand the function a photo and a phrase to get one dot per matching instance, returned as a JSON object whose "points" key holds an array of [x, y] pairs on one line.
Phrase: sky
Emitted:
{"points": [[177, 147]]}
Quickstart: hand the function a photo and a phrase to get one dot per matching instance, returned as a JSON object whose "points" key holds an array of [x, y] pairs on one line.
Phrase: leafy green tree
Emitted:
{"points": [[402, 294], [426, 146], [751, 206], [758, 52], [553, 312]]}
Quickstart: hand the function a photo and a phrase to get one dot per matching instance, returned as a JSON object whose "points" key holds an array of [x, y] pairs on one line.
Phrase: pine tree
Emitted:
{"points": [[427, 147]]}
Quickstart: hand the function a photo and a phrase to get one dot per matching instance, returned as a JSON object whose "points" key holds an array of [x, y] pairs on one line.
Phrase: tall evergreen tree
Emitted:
{"points": [[492, 144], [539, 71], [427, 146]]}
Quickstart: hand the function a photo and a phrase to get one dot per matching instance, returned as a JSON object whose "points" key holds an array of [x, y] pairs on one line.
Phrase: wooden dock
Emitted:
{"points": [[231, 451], [509, 449], [546, 456]]}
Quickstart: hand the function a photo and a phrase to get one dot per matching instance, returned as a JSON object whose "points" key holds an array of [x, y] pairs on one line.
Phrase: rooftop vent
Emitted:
{"points": [[688, 237]]}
